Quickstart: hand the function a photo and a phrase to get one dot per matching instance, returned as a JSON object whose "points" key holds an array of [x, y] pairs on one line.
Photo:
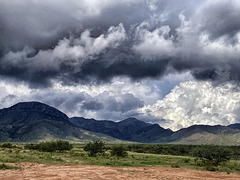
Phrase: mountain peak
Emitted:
{"points": [[30, 105], [33, 106], [34, 121], [130, 119]]}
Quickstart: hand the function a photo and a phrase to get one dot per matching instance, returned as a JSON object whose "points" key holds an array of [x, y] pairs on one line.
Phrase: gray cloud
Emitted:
{"points": [[86, 41], [221, 19], [92, 105], [122, 103], [77, 101]]}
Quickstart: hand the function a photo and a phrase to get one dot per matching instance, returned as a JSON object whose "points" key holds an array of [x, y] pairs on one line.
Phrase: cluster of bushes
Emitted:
{"points": [[97, 148], [51, 146], [167, 149], [209, 156], [182, 150]]}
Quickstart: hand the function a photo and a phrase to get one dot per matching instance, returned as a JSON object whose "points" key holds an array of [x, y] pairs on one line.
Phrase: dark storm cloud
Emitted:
{"points": [[221, 19], [204, 74], [123, 103], [109, 106], [92, 42], [92, 105], [66, 101], [115, 107], [216, 74], [135, 70], [40, 24], [33, 24]]}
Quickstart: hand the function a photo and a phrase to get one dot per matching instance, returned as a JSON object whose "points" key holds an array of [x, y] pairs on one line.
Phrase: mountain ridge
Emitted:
{"points": [[130, 129], [36, 121]]}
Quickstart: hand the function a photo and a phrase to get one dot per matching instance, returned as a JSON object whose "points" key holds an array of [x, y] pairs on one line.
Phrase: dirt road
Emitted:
{"points": [[82, 172]]}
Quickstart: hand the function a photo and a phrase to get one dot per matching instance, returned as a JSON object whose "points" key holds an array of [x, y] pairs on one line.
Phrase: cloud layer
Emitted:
{"points": [[79, 42], [114, 59]]}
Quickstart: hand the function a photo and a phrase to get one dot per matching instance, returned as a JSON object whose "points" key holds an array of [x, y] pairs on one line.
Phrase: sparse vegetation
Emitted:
{"points": [[103, 157], [233, 152]]}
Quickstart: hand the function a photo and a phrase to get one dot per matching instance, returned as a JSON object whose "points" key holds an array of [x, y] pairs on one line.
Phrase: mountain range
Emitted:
{"points": [[35, 121]]}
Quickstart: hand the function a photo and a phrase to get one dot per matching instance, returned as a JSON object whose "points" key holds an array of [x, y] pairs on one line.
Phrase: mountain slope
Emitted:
{"points": [[129, 129], [203, 134], [34, 121], [231, 139], [234, 126]]}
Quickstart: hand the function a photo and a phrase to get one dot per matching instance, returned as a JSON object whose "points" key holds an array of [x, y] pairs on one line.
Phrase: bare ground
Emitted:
{"points": [[84, 172]]}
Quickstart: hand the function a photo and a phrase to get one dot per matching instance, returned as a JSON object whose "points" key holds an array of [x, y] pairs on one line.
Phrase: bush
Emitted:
{"points": [[94, 148], [51, 146], [187, 160], [119, 151], [4, 166], [7, 145]]}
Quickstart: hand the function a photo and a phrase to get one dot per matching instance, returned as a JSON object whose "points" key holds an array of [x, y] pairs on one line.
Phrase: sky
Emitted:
{"points": [[174, 62]]}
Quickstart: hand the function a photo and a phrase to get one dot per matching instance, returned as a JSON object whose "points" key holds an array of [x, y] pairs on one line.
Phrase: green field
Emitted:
{"points": [[17, 154]]}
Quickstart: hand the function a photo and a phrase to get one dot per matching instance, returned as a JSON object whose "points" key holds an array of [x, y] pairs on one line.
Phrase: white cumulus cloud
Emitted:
{"points": [[197, 103]]}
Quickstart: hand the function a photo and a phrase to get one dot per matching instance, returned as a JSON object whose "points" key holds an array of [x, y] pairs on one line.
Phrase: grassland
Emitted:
{"points": [[17, 154]]}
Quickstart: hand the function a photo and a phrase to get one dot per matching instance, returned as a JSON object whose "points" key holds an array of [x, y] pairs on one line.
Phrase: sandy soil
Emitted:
{"points": [[82, 172]]}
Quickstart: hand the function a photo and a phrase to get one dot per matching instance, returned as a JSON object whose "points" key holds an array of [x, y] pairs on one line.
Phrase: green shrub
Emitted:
{"points": [[51, 146], [119, 151], [7, 145], [175, 166], [94, 148], [4, 166], [187, 160]]}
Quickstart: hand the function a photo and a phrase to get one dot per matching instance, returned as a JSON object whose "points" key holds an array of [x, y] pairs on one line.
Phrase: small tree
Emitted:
{"points": [[94, 148], [119, 151]]}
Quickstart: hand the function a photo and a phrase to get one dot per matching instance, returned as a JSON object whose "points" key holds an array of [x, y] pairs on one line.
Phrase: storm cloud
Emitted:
{"points": [[91, 42], [114, 59]]}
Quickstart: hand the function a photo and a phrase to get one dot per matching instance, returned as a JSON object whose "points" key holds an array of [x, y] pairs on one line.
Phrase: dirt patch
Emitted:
{"points": [[58, 172]]}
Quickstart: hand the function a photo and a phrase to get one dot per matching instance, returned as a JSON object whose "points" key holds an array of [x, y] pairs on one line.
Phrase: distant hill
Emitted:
{"points": [[130, 129], [204, 134], [34, 121]]}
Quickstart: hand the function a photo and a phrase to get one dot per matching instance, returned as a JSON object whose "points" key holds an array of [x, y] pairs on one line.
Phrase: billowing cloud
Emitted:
{"points": [[66, 57], [78, 42], [197, 103]]}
